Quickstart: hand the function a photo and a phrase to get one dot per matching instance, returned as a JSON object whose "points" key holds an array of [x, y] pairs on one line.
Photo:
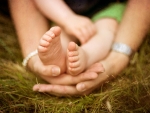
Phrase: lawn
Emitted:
{"points": [[128, 93]]}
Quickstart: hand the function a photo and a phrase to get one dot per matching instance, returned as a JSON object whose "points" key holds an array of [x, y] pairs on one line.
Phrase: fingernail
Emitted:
{"points": [[40, 90], [55, 71], [81, 87], [36, 87]]}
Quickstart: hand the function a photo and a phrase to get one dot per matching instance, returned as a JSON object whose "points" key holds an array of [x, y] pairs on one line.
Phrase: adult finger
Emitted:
{"points": [[49, 70], [58, 90], [36, 66], [93, 84], [66, 79]]}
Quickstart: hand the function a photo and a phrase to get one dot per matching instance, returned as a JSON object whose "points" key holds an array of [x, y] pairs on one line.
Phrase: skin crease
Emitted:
{"points": [[132, 36]]}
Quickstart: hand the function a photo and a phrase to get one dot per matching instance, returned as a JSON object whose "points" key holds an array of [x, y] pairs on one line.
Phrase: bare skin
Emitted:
{"points": [[50, 50], [77, 59], [132, 36], [58, 11]]}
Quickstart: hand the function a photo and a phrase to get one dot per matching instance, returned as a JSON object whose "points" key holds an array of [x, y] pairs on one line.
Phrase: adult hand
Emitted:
{"points": [[112, 67], [50, 74], [65, 84], [113, 64]]}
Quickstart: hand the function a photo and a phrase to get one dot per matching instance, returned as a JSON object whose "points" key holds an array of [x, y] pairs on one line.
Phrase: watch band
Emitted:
{"points": [[122, 48]]}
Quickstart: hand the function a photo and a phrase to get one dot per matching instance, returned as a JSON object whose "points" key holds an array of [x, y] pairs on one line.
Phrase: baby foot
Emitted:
{"points": [[50, 49], [76, 59]]}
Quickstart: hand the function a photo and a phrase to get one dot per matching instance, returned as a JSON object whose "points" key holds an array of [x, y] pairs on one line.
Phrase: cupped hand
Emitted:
{"points": [[112, 66], [81, 89], [65, 85], [67, 79], [80, 27], [36, 66], [49, 74]]}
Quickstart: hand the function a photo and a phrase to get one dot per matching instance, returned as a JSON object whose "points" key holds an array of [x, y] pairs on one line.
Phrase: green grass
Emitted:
{"points": [[128, 93]]}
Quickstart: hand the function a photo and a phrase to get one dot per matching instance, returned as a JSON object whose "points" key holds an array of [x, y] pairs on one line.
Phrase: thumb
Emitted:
{"points": [[49, 70]]}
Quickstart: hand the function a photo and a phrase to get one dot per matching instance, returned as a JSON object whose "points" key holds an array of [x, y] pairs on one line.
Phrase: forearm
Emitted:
{"points": [[29, 23], [135, 23], [56, 10], [131, 31]]}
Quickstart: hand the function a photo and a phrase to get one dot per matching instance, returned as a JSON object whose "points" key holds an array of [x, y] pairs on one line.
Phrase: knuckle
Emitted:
{"points": [[44, 71], [64, 90], [82, 77]]}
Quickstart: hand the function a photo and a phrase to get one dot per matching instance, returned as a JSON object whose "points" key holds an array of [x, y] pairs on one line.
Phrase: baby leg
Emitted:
{"points": [[99, 46], [50, 49]]}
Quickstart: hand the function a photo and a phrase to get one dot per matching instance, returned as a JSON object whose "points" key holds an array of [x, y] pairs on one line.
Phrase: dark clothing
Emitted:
{"points": [[4, 8], [88, 7]]}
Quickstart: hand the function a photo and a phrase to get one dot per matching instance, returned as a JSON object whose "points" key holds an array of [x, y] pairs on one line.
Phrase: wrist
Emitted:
{"points": [[27, 59], [122, 48], [115, 63]]}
